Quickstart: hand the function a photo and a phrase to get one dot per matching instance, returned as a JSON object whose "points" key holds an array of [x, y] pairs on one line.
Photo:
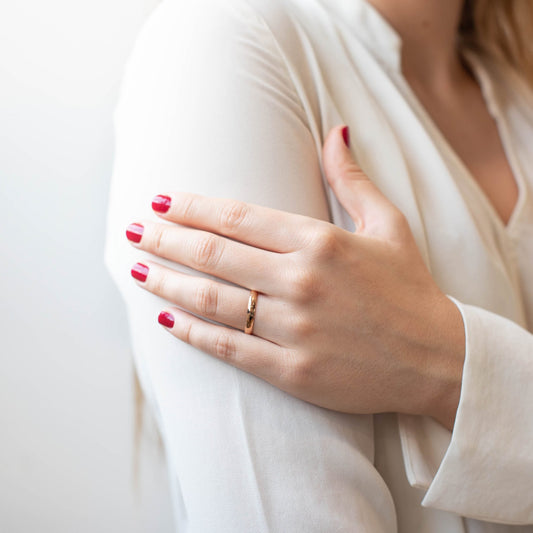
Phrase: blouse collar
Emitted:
{"points": [[385, 43], [372, 29]]}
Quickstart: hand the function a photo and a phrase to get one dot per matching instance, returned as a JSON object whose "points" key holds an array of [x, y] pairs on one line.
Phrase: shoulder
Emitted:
{"points": [[211, 52], [223, 43], [215, 35], [214, 19]]}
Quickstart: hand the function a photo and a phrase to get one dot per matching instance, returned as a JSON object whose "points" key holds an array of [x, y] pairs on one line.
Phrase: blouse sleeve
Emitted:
{"points": [[208, 105], [487, 470]]}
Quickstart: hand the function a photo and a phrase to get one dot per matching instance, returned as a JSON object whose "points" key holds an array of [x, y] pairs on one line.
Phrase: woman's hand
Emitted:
{"points": [[349, 321]]}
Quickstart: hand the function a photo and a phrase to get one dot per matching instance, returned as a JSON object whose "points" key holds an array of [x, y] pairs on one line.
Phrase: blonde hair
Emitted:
{"points": [[502, 30]]}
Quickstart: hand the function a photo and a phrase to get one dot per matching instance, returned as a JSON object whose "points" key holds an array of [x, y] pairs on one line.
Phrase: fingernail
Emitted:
{"points": [[134, 232], [166, 319], [161, 203], [346, 135], [139, 271]]}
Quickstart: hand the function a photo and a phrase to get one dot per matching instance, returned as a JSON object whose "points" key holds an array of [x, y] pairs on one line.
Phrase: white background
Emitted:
{"points": [[66, 395]]}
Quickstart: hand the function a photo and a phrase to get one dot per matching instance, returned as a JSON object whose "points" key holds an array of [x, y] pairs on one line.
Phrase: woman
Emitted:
{"points": [[423, 311]]}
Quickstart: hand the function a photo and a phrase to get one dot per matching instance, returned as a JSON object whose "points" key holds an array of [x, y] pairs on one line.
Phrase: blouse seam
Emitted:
{"points": [[282, 57]]}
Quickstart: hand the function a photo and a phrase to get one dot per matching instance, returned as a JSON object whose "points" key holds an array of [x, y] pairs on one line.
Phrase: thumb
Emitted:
{"points": [[371, 211]]}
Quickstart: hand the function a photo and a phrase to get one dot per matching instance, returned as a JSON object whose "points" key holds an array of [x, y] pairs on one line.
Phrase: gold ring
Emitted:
{"points": [[250, 313]]}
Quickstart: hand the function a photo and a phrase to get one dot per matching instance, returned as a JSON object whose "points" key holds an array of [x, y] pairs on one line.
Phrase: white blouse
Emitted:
{"points": [[233, 98]]}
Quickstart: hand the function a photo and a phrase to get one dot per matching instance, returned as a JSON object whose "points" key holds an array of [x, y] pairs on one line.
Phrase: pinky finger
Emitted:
{"points": [[252, 354]]}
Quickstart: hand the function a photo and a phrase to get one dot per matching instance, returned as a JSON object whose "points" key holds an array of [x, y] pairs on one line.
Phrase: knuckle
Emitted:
{"points": [[187, 207], [224, 346], [304, 285], [207, 300], [324, 242], [397, 218], [207, 251], [158, 239], [398, 222], [160, 284], [299, 373], [232, 216], [285, 370], [355, 172], [302, 327], [187, 333]]}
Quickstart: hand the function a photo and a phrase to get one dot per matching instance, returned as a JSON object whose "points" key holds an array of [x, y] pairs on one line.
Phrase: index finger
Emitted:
{"points": [[261, 227]]}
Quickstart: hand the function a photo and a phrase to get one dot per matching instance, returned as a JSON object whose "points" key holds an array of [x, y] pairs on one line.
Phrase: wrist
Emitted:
{"points": [[444, 366]]}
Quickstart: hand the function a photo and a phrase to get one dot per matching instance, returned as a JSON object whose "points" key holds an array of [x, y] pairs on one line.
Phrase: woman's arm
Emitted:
{"points": [[208, 106], [354, 347], [349, 321], [487, 472]]}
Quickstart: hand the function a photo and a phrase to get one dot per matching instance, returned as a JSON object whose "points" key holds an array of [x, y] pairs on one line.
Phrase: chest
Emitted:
{"points": [[473, 135], [452, 175]]}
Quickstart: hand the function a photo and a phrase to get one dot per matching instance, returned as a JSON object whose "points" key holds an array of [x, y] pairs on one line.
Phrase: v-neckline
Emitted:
{"points": [[487, 90]]}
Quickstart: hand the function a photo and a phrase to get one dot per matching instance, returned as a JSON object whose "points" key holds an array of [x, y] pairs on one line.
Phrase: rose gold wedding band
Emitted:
{"points": [[250, 313]]}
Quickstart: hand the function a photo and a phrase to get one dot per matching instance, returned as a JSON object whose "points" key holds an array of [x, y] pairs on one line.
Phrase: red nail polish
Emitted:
{"points": [[139, 271], [166, 319], [161, 203], [134, 232], [346, 135]]}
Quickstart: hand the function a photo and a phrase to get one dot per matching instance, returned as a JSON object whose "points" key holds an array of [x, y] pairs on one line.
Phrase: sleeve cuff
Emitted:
{"points": [[484, 468]]}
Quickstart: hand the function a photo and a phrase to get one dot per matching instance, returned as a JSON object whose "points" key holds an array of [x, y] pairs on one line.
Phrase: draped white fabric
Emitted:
{"points": [[233, 98]]}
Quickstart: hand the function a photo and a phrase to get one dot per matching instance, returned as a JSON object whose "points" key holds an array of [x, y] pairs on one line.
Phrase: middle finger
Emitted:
{"points": [[206, 252]]}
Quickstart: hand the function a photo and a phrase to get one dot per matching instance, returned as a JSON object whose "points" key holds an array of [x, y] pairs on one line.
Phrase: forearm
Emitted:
{"points": [[441, 366], [486, 470]]}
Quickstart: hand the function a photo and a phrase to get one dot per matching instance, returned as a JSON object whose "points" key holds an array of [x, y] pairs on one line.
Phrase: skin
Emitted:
{"points": [[450, 94], [398, 345]]}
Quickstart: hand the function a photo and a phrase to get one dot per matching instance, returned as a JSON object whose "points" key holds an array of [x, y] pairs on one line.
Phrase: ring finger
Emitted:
{"points": [[209, 299]]}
